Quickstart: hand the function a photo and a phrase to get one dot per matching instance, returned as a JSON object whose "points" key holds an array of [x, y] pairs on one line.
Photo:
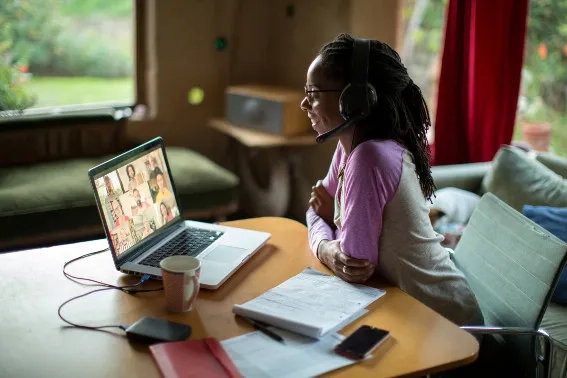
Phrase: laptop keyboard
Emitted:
{"points": [[189, 242]]}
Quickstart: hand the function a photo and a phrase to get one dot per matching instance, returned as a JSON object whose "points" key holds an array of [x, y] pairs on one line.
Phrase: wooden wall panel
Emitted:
{"points": [[265, 45], [30, 145]]}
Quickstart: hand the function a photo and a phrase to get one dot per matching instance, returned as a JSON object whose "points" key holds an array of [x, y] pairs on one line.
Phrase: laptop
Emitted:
{"points": [[143, 220]]}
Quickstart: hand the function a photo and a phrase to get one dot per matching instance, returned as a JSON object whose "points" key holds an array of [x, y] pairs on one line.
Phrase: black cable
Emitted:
{"points": [[106, 286], [122, 327], [99, 283]]}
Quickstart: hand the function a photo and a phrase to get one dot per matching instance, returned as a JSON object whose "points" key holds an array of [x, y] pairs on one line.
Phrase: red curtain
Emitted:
{"points": [[480, 79]]}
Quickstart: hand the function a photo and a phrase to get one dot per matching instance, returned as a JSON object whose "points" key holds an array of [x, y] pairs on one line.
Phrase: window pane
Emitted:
{"points": [[423, 23], [542, 105], [66, 52]]}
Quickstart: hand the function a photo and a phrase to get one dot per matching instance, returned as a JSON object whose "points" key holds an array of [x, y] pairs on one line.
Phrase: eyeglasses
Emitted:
{"points": [[309, 91]]}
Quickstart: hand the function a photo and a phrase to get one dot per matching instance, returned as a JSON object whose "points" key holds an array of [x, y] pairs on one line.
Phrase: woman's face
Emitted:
{"points": [[160, 182], [163, 210], [130, 172], [117, 209], [322, 107]]}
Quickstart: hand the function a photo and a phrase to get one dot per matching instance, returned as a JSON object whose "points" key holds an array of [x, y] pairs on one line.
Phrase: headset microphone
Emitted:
{"points": [[323, 137]]}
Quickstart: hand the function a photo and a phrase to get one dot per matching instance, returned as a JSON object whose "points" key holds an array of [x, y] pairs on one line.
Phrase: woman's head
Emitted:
{"points": [[117, 208], [131, 171], [400, 113], [160, 181], [108, 184], [164, 209]]}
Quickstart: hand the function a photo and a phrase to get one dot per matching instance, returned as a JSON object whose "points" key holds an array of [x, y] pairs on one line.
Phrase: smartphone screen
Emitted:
{"points": [[361, 342]]}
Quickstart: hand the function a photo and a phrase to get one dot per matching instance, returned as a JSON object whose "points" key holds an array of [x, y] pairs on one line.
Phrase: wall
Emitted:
{"points": [[265, 45]]}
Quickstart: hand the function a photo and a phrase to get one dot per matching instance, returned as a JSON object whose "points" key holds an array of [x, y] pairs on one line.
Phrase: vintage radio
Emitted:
{"points": [[269, 109]]}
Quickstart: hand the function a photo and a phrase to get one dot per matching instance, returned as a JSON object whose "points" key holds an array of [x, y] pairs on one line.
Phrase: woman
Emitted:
{"points": [[166, 214], [369, 214], [119, 217], [147, 229], [163, 191], [131, 172]]}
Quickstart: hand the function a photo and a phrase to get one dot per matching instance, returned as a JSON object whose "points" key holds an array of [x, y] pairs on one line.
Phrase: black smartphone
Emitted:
{"points": [[361, 342], [150, 330]]}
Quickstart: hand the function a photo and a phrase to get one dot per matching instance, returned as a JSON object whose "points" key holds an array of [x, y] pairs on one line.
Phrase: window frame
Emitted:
{"points": [[114, 110]]}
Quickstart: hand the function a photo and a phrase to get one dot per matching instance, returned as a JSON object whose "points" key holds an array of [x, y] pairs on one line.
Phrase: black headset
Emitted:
{"points": [[359, 96]]}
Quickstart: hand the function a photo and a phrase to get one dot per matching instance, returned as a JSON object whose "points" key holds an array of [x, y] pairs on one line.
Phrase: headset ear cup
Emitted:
{"points": [[345, 103], [353, 103]]}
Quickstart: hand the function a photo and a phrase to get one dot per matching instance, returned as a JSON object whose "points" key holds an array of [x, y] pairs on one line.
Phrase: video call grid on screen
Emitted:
{"points": [[136, 199]]}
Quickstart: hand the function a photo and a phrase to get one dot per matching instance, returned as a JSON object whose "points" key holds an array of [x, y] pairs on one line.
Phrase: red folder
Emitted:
{"points": [[194, 358]]}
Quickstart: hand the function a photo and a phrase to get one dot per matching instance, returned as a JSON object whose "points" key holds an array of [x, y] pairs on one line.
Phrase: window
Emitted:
{"points": [[66, 55], [423, 23], [542, 104]]}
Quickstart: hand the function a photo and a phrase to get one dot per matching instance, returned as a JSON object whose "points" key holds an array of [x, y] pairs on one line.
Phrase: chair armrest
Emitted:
{"points": [[543, 358], [505, 330], [463, 176]]}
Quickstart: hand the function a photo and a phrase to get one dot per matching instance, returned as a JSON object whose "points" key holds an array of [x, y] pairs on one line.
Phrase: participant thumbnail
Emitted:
{"points": [[140, 199], [122, 238], [134, 174], [109, 187], [145, 224], [166, 211]]}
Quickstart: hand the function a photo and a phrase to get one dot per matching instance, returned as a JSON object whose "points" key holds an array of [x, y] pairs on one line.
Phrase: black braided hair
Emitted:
{"points": [[401, 113]]}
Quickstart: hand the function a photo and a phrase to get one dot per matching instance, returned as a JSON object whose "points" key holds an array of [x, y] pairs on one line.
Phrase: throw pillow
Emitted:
{"points": [[554, 220], [556, 163], [518, 179]]}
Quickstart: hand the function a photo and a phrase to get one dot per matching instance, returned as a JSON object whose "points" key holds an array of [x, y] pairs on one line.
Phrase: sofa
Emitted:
{"points": [[46, 198], [522, 179]]}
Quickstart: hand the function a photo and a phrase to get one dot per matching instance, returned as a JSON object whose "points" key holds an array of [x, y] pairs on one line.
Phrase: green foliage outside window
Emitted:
{"points": [[55, 38]]}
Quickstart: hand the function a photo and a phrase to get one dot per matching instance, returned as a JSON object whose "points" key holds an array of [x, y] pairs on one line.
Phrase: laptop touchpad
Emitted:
{"points": [[225, 254]]}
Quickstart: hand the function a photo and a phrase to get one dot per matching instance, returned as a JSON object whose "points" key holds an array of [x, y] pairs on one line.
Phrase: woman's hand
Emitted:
{"points": [[323, 204], [346, 267]]}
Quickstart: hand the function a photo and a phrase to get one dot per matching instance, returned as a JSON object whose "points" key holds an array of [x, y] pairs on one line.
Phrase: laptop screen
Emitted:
{"points": [[136, 198]]}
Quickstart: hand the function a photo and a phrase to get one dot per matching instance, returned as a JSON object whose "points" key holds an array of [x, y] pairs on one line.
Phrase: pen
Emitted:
{"points": [[265, 330]]}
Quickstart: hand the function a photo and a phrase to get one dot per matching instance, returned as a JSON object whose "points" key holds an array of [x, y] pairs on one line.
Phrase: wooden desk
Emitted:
{"points": [[35, 343]]}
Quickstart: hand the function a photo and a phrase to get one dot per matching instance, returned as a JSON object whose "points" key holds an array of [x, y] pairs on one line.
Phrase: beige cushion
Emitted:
{"points": [[518, 179], [556, 163]]}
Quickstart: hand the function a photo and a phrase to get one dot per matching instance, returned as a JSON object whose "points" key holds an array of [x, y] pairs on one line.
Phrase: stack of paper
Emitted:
{"points": [[311, 304], [256, 355]]}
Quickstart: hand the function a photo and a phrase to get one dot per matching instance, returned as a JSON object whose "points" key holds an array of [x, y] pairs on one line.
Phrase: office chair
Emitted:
{"points": [[512, 265]]}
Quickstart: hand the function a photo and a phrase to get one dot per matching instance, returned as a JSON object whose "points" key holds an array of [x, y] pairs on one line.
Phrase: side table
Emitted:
{"points": [[286, 179]]}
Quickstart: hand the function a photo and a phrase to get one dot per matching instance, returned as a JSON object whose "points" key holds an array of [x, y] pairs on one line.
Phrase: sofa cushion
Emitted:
{"points": [[556, 163], [554, 220], [46, 198], [519, 180], [65, 184], [464, 176]]}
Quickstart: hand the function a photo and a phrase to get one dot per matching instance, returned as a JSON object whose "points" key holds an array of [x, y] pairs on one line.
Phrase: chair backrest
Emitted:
{"points": [[511, 263]]}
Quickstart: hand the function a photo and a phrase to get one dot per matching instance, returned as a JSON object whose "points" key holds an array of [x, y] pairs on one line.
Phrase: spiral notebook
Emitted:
{"points": [[194, 358], [311, 303]]}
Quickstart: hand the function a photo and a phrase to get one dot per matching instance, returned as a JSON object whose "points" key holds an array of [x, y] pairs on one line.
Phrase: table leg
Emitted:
{"points": [[273, 200], [300, 186]]}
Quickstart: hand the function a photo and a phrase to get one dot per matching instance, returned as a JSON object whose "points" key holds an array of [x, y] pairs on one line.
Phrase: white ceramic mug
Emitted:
{"points": [[180, 282]]}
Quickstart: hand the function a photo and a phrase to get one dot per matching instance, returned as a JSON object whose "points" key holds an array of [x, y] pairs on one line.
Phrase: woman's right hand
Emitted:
{"points": [[323, 204], [346, 267]]}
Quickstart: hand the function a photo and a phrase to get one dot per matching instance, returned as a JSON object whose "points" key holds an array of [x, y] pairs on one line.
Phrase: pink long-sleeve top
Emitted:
{"points": [[382, 216], [371, 176]]}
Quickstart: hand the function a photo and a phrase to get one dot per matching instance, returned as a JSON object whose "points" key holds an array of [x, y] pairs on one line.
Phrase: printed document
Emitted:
{"points": [[257, 355], [311, 303]]}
